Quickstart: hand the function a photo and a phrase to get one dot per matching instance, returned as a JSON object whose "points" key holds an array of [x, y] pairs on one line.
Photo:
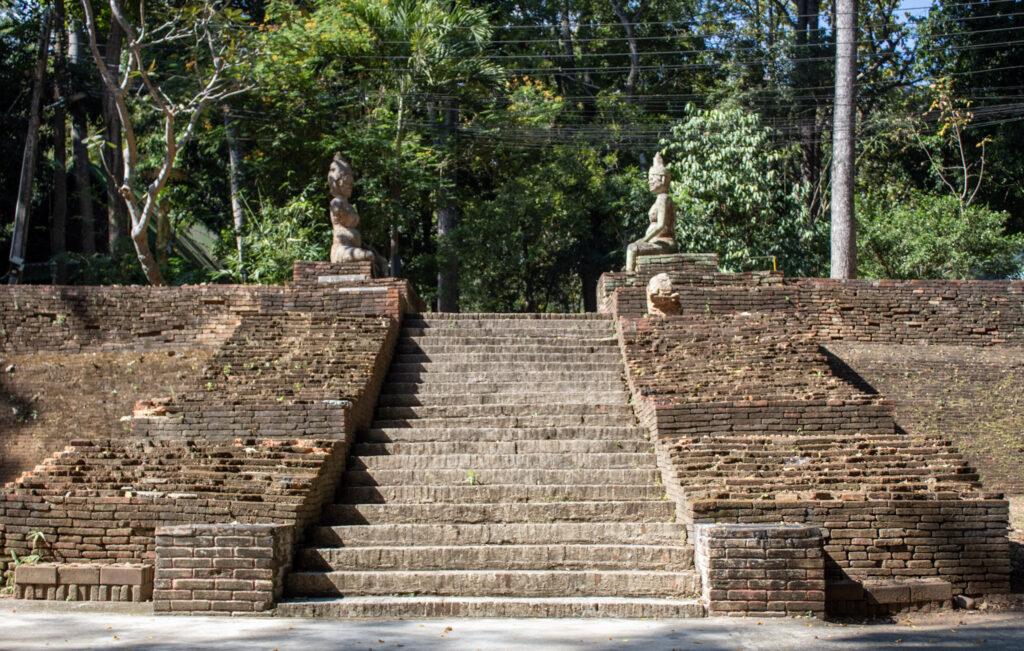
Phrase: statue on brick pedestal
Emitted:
{"points": [[660, 237], [347, 245]]}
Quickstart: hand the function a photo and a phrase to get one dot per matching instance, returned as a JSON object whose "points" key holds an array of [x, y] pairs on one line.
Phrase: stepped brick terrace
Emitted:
{"points": [[328, 449]]}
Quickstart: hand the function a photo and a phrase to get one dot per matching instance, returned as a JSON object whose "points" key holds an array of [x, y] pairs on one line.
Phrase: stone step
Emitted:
{"points": [[421, 607], [511, 333], [548, 360], [578, 432], [615, 397], [532, 364], [512, 388], [573, 461], [505, 583], [503, 410], [491, 477], [497, 557], [515, 533], [527, 421], [440, 352], [519, 317], [512, 446], [520, 376], [605, 511], [417, 343], [475, 494]]}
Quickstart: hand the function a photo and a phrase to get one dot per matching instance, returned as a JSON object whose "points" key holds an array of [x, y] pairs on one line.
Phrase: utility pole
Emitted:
{"points": [[844, 225], [28, 160]]}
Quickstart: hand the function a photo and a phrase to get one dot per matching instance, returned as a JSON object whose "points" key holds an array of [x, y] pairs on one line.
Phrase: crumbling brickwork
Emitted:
{"points": [[757, 423], [260, 435]]}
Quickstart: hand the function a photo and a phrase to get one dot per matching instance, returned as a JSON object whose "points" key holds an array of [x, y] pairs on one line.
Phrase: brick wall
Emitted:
{"points": [[260, 435], [760, 570], [754, 423], [83, 582], [222, 568], [975, 312]]}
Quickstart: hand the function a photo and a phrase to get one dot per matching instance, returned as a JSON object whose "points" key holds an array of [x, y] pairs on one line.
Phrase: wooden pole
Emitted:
{"points": [[844, 225], [19, 239]]}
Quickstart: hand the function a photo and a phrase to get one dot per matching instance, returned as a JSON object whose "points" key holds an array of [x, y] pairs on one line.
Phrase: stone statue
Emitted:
{"points": [[661, 300], [347, 245], [660, 235]]}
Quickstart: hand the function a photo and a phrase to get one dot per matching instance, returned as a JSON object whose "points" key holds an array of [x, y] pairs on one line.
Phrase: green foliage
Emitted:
{"points": [[735, 194], [277, 236], [924, 235]]}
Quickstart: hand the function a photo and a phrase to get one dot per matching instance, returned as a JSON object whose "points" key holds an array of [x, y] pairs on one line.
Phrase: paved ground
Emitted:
{"points": [[27, 625]]}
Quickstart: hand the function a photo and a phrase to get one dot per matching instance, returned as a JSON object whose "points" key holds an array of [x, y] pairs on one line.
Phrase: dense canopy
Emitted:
{"points": [[500, 148]]}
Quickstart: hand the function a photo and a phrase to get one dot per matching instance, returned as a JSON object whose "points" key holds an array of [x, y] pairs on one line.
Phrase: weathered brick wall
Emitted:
{"points": [[754, 424], [260, 436], [948, 536], [221, 568], [35, 318], [975, 312], [760, 570]]}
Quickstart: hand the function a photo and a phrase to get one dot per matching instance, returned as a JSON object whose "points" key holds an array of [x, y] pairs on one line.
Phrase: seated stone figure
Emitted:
{"points": [[660, 235], [347, 245]]}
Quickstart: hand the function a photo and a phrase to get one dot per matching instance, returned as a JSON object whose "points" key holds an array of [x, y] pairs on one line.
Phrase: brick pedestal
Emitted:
{"points": [[760, 569], [220, 568]]}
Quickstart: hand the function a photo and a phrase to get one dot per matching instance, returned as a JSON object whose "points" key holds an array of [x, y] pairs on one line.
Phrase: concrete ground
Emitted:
{"points": [[40, 625]]}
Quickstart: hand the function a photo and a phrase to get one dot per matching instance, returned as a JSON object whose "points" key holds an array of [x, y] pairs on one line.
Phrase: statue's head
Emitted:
{"points": [[659, 177], [340, 177]]}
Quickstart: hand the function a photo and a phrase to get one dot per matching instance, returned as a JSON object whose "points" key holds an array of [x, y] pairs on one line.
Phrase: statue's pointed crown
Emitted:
{"points": [[659, 167]]}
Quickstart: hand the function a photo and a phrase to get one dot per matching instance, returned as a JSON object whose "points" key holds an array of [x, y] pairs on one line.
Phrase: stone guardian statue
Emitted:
{"points": [[347, 245], [660, 235]]}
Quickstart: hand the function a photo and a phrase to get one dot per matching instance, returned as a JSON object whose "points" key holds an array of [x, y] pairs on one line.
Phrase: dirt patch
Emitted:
{"points": [[47, 400]]}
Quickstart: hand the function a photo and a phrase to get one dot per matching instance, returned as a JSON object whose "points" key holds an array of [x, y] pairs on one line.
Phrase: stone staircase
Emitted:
{"points": [[504, 476]]}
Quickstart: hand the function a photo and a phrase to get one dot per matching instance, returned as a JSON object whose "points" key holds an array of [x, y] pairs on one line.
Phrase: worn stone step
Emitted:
{"points": [[501, 410], [474, 494], [522, 376], [559, 348], [506, 583], [421, 607], [524, 421], [511, 388], [577, 432], [417, 343], [511, 446], [604, 511], [514, 533], [615, 397], [492, 476], [497, 557], [488, 368], [581, 460]]}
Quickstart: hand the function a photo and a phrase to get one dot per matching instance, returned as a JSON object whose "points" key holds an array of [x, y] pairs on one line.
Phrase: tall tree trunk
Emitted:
{"points": [[844, 228], [19, 238], [448, 268], [117, 212], [59, 210], [235, 179], [628, 22], [80, 151]]}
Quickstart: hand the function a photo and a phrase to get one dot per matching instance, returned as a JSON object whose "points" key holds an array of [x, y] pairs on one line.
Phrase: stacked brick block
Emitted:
{"points": [[761, 570], [83, 582], [222, 568]]}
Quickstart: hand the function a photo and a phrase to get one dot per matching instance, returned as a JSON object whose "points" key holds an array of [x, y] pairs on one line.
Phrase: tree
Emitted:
{"points": [[737, 194], [178, 100]]}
